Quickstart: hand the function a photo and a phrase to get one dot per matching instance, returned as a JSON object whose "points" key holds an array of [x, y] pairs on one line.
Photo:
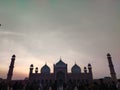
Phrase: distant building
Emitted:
{"points": [[61, 73]]}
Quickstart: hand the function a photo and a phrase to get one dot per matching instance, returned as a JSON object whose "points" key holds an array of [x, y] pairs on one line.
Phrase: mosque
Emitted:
{"points": [[61, 74]]}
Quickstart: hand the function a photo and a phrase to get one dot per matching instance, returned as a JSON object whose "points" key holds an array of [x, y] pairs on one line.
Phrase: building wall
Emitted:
{"points": [[69, 76], [61, 73]]}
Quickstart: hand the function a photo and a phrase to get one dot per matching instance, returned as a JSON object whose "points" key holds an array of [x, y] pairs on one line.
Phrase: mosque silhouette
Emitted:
{"points": [[60, 79], [60, 73]]}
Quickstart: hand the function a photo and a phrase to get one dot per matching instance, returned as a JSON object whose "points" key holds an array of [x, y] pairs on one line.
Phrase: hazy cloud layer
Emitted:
{"points": [[41, 31]]}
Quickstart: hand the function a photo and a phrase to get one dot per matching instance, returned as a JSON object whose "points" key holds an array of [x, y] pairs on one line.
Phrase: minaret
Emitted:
{"points": [[90, 71], [112, 71], [10, 72], [85, 70], [36, 70], [31, 70]]}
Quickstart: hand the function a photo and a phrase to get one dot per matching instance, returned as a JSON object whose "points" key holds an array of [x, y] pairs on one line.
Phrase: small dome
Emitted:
{"points": [[108, 54], [31, 65], [85, 68], [45, 69], [89, 64], [60, 64], [36, 68], [13, 56], [76, 69]]}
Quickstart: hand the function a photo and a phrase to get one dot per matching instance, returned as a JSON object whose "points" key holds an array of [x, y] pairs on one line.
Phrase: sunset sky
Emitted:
{"points": [[42, 31]]}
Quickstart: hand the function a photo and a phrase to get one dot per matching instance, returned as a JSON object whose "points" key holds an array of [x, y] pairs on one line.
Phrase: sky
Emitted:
{"points": [[42, 31]]}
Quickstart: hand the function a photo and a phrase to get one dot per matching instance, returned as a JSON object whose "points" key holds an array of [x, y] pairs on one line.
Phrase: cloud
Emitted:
{"points": [[43, 30]]}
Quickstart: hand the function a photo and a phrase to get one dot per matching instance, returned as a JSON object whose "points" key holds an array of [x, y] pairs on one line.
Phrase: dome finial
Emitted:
{"points": [[60, 58], [75, 62]]}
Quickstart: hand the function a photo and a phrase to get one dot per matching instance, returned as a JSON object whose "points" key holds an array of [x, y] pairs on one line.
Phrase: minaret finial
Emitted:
{"points": [[108, 55]]}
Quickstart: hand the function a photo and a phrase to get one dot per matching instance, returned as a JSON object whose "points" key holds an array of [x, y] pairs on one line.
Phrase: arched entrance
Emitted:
{"points": [[60, 77]]}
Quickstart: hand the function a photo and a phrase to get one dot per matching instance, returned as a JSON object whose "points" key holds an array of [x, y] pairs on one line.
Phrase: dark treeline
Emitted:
{"points": [[54, 85]]}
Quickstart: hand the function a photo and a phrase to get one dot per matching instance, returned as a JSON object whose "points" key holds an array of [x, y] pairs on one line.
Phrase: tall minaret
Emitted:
{"points": [[112, 71], [10, 72]]}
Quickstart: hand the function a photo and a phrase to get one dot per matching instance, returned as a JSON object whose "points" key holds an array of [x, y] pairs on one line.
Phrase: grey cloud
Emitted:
{"points": [[84, 28]]}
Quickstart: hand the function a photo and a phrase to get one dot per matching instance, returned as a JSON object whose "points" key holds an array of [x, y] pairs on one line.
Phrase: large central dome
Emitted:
{"points": [[60, 63]]}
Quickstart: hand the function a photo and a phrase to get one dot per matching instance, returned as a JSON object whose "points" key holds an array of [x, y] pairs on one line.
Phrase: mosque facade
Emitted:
{"points": [[60, 73]]}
